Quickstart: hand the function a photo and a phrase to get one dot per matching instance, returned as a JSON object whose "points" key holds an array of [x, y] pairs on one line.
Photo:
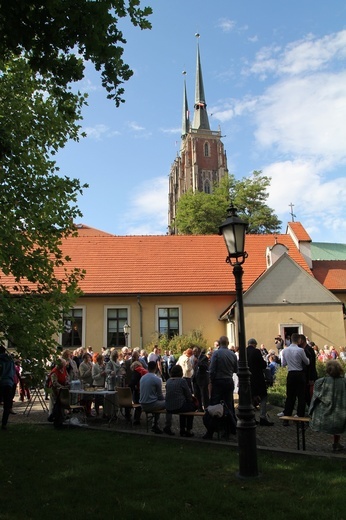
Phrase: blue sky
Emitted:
{"points": [[275, 82]]}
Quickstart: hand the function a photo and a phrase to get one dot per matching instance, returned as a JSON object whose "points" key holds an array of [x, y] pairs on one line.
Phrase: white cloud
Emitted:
{"points": [[135, 126], [96, 132], [176, 130], [226, 25], [305, 116], [100, 131], [318, 200], [306, 55], [147, 213]]}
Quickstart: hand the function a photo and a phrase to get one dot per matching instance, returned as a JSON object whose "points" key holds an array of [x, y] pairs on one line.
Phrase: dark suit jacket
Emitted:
{"points": [[256, 366]]}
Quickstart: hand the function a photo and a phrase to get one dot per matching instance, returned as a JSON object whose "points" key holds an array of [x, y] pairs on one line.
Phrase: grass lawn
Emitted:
{"points": [[80, 474]]}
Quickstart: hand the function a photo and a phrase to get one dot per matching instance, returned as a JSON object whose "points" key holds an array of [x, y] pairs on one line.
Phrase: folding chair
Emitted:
{"points": [[124, 395], [65, 400]]}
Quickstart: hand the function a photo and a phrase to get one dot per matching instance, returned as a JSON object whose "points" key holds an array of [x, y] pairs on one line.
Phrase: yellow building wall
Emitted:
{"points": [[323, 324], [197, 313]]}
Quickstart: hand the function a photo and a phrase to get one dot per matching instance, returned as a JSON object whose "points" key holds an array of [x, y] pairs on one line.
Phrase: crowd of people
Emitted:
{"points": [[198, 380]]}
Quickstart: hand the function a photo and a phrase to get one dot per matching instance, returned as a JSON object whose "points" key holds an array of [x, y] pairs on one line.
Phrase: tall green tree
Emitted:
{"points": [[57, 35], [43, 47], [201, 213], [37, 207]]}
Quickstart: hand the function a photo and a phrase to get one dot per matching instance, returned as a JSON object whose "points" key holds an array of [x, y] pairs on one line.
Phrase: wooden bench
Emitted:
{"points": [[301, 423], [150, 415]]}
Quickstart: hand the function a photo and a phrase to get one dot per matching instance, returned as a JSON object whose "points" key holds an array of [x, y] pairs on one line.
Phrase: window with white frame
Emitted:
{"points": [[116, 319], [72, 335], [169, 320]]}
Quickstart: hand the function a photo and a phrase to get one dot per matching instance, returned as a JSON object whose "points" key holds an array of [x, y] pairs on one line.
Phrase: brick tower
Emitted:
{"points": [[202, 160]]}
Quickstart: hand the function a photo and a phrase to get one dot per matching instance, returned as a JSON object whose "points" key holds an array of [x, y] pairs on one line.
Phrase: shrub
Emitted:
{"points": [[277, 392], [178, 344]]}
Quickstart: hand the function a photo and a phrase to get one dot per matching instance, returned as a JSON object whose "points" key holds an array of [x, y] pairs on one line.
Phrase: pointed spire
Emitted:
{"points": [[186, 113], [200, 119]]}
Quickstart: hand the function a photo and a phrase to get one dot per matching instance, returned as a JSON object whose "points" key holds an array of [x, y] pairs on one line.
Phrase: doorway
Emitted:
{"points": [[287, 329]]}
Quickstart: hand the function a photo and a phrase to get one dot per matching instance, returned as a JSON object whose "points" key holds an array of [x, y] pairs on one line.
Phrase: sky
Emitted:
{"points": [[275, 84]]}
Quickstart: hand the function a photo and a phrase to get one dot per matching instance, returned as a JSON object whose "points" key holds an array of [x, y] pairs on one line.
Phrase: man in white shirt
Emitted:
{"points": [[296, 360]]}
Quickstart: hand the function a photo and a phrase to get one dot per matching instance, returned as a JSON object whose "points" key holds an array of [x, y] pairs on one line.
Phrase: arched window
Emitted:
{"points": [[206, 149], [207, 187]]}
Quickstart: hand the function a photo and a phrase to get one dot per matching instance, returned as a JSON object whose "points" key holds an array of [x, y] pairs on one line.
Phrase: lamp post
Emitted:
{"points": [[126, 333], [233, 230]]}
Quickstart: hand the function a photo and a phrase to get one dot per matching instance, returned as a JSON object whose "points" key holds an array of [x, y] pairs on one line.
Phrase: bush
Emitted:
{"points": [[178, 344], [277, 392]]}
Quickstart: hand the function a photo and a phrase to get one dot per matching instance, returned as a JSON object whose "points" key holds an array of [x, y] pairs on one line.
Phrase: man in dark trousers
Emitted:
{"points": [[7, 374], [259, 393], [310, 370], [223, 365], [296, 360], [200, 378]]}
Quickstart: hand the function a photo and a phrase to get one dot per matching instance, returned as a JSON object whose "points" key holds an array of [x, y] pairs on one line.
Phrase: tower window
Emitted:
{"points": [[206, 149], [207, 187]]}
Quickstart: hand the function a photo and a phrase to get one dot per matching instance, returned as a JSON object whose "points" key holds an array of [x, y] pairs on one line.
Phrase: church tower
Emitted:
{"points": [[202, 161]]}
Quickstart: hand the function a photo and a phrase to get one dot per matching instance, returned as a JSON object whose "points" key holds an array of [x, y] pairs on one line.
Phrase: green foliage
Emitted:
{"points": [[43, 48], [178, 344], [202, 213], [50, 33], [37, 208], [277, 392]]}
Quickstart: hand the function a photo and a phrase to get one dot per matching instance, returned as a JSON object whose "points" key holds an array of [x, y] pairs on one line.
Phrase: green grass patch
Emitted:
{"points": [[83, 474]]}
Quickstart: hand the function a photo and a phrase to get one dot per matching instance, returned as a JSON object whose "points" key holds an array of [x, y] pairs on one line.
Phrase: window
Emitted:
{"points": [[169, 321], [72, 336], [116, 319], [206, 149], [207, 187]]}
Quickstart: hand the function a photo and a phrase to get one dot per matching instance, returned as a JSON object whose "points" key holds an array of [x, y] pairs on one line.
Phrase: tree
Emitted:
{"points": [[43, 46], [37, 208], [57, 35], [249, 196], [201, 213]]}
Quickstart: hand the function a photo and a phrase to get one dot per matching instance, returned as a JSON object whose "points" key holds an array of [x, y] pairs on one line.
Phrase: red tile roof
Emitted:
{"points": [[84, 230], [120, 265], [299, 231], [331, 273], [167, 264]]}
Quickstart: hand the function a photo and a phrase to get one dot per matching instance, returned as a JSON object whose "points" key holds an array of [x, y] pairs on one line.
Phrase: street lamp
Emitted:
{"points": [[233, 230], [126, 333]]}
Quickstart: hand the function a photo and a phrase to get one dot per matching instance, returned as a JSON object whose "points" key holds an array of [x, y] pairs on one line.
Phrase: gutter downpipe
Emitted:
{"points": [[140, 321]]}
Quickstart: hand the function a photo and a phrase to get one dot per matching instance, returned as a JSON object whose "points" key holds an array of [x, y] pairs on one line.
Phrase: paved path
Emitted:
{"points": [[277, 437]]}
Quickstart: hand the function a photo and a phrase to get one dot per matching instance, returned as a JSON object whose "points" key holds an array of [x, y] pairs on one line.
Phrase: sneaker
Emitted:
{"points": [[156, 429], [13, 413], [168, 431], [280, 414]]}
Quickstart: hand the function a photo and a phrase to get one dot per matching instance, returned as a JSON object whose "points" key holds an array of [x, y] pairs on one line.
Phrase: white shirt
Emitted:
{"points": [[294, 358]]}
